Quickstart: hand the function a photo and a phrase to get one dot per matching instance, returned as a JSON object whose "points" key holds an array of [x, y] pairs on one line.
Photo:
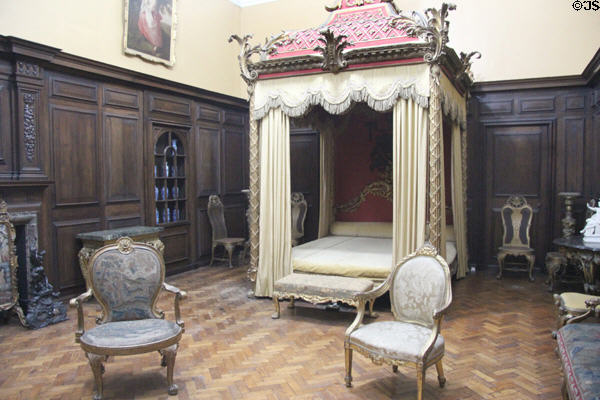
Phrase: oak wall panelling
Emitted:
{"points": [[534, 137], [76, 148]]}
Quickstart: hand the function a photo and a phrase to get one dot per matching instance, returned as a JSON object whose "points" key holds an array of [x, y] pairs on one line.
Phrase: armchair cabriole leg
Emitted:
{"points": [[169, 355], [420, 381], [97, 369], [275, 315], [348, 357], [440, 372]]}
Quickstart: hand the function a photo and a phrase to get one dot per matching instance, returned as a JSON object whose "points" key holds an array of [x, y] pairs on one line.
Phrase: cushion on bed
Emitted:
{"points": [[365, 229]]}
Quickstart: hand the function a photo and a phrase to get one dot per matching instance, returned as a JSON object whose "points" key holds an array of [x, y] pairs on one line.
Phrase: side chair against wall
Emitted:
{"points": [[516, 217], [216, 216], [126, 279], [299, 208], [420, 294]]}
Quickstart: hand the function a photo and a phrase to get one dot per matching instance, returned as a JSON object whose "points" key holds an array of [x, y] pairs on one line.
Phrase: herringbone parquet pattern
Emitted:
{"points": [[498, 346]]}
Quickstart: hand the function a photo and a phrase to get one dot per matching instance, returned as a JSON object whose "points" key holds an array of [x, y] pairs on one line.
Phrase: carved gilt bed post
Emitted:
{"points": [[433, 28], [250, 76]]}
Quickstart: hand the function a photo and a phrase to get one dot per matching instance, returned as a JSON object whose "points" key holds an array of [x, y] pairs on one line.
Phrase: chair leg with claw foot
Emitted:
{"points": [[348, 378]]}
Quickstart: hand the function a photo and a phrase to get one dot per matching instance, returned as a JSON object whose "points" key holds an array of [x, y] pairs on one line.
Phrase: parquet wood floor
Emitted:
{"points": [[498, 346]]}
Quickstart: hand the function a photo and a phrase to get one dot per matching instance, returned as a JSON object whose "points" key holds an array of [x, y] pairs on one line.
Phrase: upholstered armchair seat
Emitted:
{"points": [[122, 337], [398, 340]]}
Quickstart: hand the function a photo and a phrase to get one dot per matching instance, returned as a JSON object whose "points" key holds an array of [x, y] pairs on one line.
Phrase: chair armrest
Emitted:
{"points": [[363, 298], [375, 292], [179, 295], [77, 302], [592, 310], [437, 327]]}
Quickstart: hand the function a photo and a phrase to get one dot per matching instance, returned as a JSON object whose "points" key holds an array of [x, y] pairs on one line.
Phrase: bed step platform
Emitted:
{"points": [[316, 288]]}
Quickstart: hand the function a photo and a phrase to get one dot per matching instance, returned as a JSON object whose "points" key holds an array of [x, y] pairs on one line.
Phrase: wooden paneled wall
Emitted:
{"points": [[77, 147], [536, 138]]}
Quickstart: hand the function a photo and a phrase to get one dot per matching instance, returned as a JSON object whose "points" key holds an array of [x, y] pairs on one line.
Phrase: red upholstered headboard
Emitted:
{"points": [[353, 149]]}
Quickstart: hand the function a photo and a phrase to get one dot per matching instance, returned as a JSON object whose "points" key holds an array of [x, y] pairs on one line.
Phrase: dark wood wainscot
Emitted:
{"points": [[86, 146], [537, 138]]}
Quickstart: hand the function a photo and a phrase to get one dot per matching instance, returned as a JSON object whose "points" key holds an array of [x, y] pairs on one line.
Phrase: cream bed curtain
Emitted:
{"points": [[454, 105], [410, 127], [327, 179], [459, 201], [275, 236]]}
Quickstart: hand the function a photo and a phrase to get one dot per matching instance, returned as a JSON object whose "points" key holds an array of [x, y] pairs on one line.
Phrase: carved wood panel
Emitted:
{"points": [[6, 147], [75, 156], [233, 164], [122, 158], [208, 159]]}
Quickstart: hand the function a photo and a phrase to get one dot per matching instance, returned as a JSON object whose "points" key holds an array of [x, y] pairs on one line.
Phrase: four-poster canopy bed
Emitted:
{"points": [[367, 52]]}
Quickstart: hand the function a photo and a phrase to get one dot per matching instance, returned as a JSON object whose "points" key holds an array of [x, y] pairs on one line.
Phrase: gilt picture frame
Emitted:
{"points": [[9, 294], [149, 30]]}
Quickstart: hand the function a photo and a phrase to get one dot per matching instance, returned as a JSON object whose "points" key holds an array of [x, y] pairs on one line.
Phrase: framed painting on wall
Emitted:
{"points": [[149, 30]]}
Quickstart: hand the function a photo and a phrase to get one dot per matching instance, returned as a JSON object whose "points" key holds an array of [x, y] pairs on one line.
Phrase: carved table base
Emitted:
{"points": [[586, 258]]}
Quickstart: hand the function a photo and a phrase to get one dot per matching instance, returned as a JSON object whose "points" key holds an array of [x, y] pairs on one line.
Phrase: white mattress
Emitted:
{"points": [[353, 256]]}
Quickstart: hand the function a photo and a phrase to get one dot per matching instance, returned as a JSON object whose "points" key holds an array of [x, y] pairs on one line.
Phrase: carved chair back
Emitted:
{"points": [[516, 222], [420, 286], [9, 294], [216, 216], [126, 278], [299, 208]]}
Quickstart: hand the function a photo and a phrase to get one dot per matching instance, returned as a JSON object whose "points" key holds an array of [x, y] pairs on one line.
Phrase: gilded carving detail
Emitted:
{"points": [[29, 125], [332, 50], [435, 171], [431, 27]]}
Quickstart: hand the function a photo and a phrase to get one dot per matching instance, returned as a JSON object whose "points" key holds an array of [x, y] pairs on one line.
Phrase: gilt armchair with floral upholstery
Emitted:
{"points": [[420, 294], [126, 279]]}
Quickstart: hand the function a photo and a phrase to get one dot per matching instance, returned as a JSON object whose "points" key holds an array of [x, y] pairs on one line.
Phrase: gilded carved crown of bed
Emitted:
{"points": [[420, 294], [126, 279], [516, 217], [366, 52]]}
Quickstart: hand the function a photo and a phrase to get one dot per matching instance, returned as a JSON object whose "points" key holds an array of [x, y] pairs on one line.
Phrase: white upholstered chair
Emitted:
{"points": [[420, 294]]}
